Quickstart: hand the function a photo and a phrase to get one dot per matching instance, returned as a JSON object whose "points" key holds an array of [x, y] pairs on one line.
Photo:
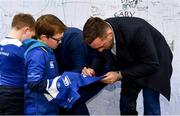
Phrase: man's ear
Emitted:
{"points": [[109, 32]]}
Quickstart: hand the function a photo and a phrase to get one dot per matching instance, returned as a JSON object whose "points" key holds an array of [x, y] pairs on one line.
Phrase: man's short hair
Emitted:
{"points": [[93, 28]]}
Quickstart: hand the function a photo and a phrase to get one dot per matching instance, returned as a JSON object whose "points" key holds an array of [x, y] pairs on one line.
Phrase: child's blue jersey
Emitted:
{"points": [[12, 67], [40, 65]]}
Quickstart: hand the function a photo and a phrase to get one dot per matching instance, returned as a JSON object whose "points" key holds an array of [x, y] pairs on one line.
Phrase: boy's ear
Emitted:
{"points": [[25, 29], [43, 38]]}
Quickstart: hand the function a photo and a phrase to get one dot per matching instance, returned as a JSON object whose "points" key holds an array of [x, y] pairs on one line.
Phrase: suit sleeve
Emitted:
{"points": [[78, 53], [145, 55]]}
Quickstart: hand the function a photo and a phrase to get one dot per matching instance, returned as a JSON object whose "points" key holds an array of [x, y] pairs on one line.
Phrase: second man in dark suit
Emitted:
{"points": [[71, 56]]}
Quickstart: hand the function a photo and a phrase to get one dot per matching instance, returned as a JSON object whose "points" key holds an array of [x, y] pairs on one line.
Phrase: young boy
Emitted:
{"points": [[12, 71], [45, 90], [41, 65]]}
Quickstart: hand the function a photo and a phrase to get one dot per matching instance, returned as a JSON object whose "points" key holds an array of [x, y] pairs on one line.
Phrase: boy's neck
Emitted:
{"points": [[16, 34]]}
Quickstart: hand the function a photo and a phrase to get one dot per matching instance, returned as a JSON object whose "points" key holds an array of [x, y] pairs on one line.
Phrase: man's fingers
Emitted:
{"points": [[87, 71], [105, 79], [108, 79]]}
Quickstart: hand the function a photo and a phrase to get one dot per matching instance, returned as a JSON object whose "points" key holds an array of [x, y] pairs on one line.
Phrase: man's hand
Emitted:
{"points": [[111, 77], [88, 71]]}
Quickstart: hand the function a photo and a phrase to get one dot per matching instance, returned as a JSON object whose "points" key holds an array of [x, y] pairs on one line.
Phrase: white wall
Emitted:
{"points": [[162, 14]]}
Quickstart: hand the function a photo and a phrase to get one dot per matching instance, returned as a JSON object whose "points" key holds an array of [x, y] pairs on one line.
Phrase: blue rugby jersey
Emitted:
{"points": [[12, 71]]}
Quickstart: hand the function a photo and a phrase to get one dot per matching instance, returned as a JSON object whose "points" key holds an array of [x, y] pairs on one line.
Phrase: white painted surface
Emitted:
{"points": [[162, 14]]}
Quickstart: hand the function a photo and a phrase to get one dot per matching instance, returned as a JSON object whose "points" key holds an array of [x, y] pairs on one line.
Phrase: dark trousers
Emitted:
{"points": [[151, 102], [11, 101], [86, 92], [129, 94]]}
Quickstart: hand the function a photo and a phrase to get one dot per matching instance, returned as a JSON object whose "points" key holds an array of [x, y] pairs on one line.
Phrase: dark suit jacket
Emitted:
{"points": [[71, 53], [143, 54]]}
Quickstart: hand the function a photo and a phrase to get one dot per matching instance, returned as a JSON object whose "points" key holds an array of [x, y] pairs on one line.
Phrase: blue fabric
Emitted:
{"points": [[11, 64], [71, 56], [67, 86], [40, 65], [31, 44]]}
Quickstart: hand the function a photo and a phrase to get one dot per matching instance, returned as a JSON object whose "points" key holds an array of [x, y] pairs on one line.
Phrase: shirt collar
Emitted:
{"points": [[9, 40], [113, 49]]}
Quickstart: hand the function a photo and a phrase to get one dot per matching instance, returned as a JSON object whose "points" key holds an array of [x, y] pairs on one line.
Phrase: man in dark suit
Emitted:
{"points": [[139, 56], [71, 52], [72, 55]]}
